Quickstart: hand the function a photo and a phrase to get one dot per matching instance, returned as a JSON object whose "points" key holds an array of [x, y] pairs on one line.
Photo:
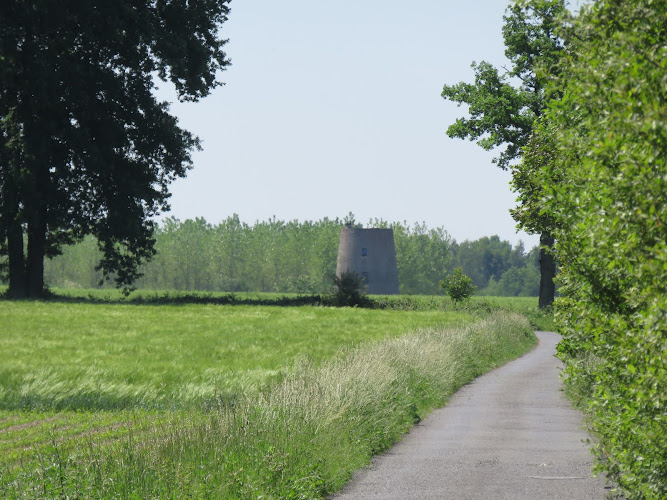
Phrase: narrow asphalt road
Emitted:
{"points": [[511, 434]]}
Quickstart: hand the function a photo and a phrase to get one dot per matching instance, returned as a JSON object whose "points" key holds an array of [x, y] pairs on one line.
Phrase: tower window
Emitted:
{"points": [[364, 252]]}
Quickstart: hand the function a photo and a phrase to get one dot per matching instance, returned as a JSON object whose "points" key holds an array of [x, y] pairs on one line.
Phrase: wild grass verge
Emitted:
{"points": [[540, 319], [299, 438]]}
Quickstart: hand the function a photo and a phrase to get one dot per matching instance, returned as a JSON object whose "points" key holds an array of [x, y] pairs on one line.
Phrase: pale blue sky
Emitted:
{"points": [[331, 107]]}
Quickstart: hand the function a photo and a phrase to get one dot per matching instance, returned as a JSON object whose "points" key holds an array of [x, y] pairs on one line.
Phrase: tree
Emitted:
{"points": [[85, 147], [350, 289], [422, 255], [516, 282], [487, 258], [504, 115], [458, 285]]}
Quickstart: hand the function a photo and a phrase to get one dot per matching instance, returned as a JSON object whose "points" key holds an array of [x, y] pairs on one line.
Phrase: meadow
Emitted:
{"points": [[104, 357], [109, 397]]}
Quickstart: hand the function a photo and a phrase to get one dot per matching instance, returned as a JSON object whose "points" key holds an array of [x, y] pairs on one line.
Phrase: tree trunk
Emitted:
{"points": [[17, 276], [547, 271], [15, 251], [36, 251]]}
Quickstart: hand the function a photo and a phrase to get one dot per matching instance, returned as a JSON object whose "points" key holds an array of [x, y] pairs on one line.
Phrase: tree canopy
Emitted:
{"points": [[502, 114], [85, 146]]}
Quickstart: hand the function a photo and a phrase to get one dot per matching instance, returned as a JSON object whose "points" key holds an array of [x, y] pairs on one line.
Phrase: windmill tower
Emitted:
{"points": [[372, 254]]}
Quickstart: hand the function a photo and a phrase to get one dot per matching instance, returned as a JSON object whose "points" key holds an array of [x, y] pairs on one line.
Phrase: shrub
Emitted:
{"points": [[608, 204], [458, 285], [349, 290]]}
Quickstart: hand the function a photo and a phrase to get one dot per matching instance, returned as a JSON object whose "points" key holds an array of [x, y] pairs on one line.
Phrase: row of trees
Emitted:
{"points": [[293, 256], [586, 136]]}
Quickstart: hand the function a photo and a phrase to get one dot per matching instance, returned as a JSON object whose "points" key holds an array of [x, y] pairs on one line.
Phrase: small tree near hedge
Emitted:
{"points": [[349, 289], [458, 285]]}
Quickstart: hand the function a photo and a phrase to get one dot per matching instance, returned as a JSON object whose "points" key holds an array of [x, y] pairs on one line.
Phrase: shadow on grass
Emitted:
{"points": [[540, 319], [168, 298]]}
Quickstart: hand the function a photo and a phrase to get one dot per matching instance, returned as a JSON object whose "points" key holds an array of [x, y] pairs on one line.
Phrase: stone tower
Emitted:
{"points": [[371, 253]]}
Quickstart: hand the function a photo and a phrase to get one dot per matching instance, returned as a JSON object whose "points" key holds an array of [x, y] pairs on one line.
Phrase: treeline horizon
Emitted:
{"points": [[300, 257]]}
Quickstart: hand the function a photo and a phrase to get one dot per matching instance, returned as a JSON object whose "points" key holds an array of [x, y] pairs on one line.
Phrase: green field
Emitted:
{"points": [[161, 386], [99, 356]]}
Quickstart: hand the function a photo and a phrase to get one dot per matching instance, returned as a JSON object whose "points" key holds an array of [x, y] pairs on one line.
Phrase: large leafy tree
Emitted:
{"points": [[503, 114], [85, 146]]}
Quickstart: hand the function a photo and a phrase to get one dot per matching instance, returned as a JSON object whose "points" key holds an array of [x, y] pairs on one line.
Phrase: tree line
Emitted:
{"points": [[300, 257]]}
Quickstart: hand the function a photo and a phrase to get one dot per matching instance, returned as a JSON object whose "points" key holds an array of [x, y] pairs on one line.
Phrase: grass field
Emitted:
{"points": [[103, 399], [98, 356]]}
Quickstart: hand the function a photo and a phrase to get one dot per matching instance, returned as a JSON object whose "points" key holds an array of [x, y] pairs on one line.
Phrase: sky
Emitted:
{"points": [[334, 107]]}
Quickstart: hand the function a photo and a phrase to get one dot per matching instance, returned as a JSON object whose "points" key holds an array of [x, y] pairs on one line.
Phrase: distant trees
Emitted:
{"points": [[279, 256], [269, 256], [422, 255], [497, 268], [488, 258], [85, 147], [518, 281]]}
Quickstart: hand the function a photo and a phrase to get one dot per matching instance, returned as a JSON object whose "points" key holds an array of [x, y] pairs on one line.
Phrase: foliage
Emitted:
{"points": [[291, 257], [501, 114], [422, 255], [516, 282], [458, 285], [300, 437], [607, 139], [489, 258], [350, 289], [540, 319], [504, 115], [269, 256], [85, 147]]}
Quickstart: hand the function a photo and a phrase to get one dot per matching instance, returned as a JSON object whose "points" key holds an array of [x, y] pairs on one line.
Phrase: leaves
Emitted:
{"points": [[458, 285], [504, 115], [95, 150], [501, 114], [605, 140]]}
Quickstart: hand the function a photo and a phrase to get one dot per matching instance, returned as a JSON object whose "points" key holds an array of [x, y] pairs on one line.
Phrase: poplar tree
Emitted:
{"points": [[85, 146]]}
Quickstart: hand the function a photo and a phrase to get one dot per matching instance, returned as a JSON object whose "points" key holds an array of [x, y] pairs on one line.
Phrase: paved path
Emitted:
{"points": [[511, 434]]}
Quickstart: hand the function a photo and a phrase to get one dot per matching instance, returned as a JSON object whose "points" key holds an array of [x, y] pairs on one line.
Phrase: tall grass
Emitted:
{"points": [[302, 436], [96, 356], [540, 319]]}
